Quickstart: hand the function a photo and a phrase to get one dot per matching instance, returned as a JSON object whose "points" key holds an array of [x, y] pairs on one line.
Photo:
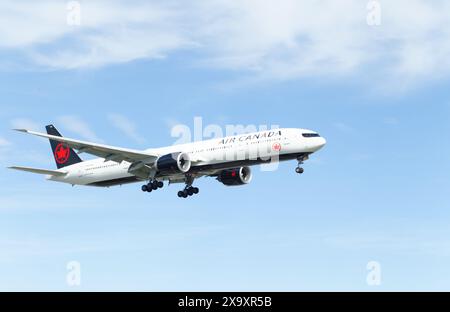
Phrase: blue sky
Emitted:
{"points": [[378, 191]]}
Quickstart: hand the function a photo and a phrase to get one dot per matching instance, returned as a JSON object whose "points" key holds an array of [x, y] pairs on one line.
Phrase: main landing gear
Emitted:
{"points": [[152, 186], [189, 190]]}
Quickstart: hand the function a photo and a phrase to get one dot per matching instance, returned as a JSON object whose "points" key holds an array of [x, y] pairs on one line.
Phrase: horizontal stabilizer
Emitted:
{"points": [[40, 171]]}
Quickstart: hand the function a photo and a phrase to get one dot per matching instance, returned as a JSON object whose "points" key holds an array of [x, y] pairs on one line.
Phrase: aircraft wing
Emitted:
{"points": [[40, 171], [111, 153]]}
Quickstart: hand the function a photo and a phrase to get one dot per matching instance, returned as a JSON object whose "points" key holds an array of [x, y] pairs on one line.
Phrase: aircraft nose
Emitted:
{"points": [[321, 142]]}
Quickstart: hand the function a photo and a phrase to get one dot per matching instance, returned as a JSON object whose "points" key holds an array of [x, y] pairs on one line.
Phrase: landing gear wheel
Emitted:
{"points": [[160, 184], [154, 185], [189, 190], [299, 170], [144, 188]]}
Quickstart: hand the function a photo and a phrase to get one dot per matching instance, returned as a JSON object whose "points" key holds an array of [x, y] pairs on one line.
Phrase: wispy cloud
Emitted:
{"points": [[98, 241], [171, 122], [343, 127], [20, 155], [270, 40], [432, 242], [392, 121], [127, 127], [25, 123], [4, 142], [4, 148], [110, 32], [78, 126]]}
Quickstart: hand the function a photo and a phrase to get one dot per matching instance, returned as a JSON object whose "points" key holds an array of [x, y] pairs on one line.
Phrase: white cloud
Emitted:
{"points": [[432, 242], [4, 142], [5, 148], [78, 126], [110, 32], [281, 39], [392, 121], [171, 122], [127, 127], [343, 127], [25, 123]]}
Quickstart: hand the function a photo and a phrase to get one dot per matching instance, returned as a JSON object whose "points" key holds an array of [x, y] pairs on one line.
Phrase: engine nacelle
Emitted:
{"points": [[173, 163], [236, 176]]}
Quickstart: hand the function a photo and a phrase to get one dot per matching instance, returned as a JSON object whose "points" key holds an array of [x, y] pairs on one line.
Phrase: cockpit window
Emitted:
{"points": [[310, 135]]}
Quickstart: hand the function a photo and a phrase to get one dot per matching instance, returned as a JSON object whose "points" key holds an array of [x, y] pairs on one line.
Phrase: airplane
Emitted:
{"points": [[227, 159]]}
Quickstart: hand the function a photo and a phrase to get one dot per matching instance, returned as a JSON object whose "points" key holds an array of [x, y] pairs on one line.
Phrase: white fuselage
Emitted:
{"points": [[214, 154]]}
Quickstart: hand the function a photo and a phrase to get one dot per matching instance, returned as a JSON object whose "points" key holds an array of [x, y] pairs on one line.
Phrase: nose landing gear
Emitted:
{"points": [[152, 186], [299, 168]]}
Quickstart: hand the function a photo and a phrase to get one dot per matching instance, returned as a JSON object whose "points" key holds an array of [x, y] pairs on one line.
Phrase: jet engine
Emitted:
{"points": [[173, 163], [235, 176]]}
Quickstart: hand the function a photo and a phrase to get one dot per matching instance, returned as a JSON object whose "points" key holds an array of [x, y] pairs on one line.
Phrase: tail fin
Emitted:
{"points": [[64, 155]]}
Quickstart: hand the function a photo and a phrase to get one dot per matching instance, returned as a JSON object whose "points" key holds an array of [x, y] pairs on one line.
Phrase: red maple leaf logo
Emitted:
{"points": [[62, 153], [276, 147]]}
